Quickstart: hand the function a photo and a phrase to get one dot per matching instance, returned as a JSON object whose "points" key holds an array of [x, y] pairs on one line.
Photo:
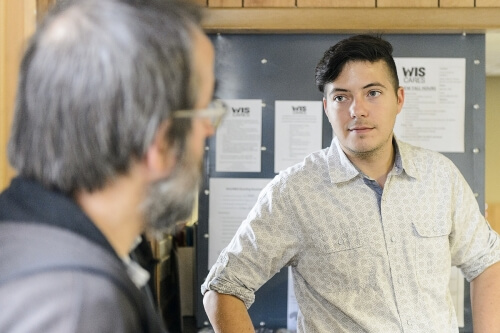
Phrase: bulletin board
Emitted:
{"points": [[272, 67]]}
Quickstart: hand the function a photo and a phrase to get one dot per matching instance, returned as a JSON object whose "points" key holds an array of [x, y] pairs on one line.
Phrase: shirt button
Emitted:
{"points": [[341, 241], [409, 322], [393, 239], [400, 280]]}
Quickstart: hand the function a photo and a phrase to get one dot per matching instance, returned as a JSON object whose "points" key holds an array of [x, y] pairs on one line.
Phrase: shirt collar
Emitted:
{"points": [[404, 152], [137, 274], [398, 161], [341, 169]]}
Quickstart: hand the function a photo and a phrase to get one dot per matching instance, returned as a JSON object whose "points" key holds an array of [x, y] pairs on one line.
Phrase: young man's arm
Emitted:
{"points": [[485, 298], [227, 313]]}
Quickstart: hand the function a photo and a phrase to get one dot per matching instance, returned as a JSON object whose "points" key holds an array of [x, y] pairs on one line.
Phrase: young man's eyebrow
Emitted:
{"points": [[369, 85], [334, 90], [374, 84]]}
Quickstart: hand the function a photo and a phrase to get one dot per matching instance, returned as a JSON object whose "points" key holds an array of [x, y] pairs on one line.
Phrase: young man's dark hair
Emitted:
{"points": [[356, 48]]}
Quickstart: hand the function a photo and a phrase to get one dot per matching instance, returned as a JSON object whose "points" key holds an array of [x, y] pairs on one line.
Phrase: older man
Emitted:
{"points": [[111, 117]]}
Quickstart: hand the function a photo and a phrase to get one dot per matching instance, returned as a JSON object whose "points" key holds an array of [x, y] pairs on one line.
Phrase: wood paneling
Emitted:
{"points": [[42, 6], [268, 3], [352, 20], [225, 3], [492, 214], [336, 3], [30, 19], [456, 3], [17, 23], [407, 3], [4, 115], [487, 3]]}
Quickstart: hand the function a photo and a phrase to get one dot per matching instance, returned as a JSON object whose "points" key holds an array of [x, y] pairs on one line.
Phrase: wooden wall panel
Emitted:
{"points": [[17, 23], [225, 3], [351, 20], [268, 3], [336, 3], [456, 3], [42, 6], [487, 3], [4, 103], [408, 3], [492, 214]]}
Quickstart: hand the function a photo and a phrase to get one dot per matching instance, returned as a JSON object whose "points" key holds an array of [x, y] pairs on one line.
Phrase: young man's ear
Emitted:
{"points": [[401, 98], [161, 155]]}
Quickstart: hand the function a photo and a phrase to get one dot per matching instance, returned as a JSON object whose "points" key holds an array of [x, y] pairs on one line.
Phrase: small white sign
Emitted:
{"points": [[297, 131], [433, 114], [230, 201], [239, 137]]}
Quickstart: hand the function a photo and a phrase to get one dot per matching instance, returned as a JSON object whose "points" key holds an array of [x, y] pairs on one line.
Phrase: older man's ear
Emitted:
{"points": [[160, 158]]}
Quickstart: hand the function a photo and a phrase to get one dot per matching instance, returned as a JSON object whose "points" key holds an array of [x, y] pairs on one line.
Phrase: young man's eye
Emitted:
{"points": [[339, 98], [374, 93]]}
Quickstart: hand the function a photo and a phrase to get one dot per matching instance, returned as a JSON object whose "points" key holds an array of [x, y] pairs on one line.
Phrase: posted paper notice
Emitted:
{"points": [[297, 131], [239, 137], [231, 199], [433, 114]]}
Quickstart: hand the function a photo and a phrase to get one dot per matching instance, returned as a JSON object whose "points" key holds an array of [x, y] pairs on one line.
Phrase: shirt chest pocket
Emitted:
{"points": [[432, 253], [339, 262]]}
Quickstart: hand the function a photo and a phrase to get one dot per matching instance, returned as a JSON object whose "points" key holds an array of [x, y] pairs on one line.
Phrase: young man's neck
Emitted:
{"points": [[375, 165]]}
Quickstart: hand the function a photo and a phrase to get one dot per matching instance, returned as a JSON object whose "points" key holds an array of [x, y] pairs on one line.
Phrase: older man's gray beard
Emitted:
{"points": [[171, 200]]}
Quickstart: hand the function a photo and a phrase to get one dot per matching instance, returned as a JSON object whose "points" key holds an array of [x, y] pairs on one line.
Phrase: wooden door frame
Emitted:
{"points": [[18, 23]]}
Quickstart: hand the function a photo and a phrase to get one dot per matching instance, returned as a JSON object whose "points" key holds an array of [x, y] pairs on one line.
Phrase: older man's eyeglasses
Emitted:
{"points": [[215, 112]]}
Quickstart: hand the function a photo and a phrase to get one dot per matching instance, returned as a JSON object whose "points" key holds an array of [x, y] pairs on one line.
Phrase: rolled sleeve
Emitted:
{"points": [[217, 281], [474, 245], [484, 259], [265, 242]]}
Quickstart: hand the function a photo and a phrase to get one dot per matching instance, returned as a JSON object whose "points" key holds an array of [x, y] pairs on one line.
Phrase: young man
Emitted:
{"points": [[370, 225], [108, 139]]}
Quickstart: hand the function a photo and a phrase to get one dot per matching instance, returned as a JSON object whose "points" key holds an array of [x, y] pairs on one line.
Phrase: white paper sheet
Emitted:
{"points": [[297, 131], [239, 137], [433, 114], [230, 201]]}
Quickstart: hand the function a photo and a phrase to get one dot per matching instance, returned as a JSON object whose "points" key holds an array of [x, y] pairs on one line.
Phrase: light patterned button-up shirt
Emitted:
{"points": [[360, 265]]}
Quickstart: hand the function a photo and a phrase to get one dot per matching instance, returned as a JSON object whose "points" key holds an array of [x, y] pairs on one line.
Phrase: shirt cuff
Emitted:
{"points": [[223, 286]]}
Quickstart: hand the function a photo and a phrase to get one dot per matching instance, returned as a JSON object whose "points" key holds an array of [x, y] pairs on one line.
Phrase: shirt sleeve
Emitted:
{"points": [[266, 241], [474, 244]]}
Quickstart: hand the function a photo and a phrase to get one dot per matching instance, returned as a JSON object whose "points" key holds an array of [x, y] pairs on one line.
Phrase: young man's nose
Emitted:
{"points": [[358, 108]]}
